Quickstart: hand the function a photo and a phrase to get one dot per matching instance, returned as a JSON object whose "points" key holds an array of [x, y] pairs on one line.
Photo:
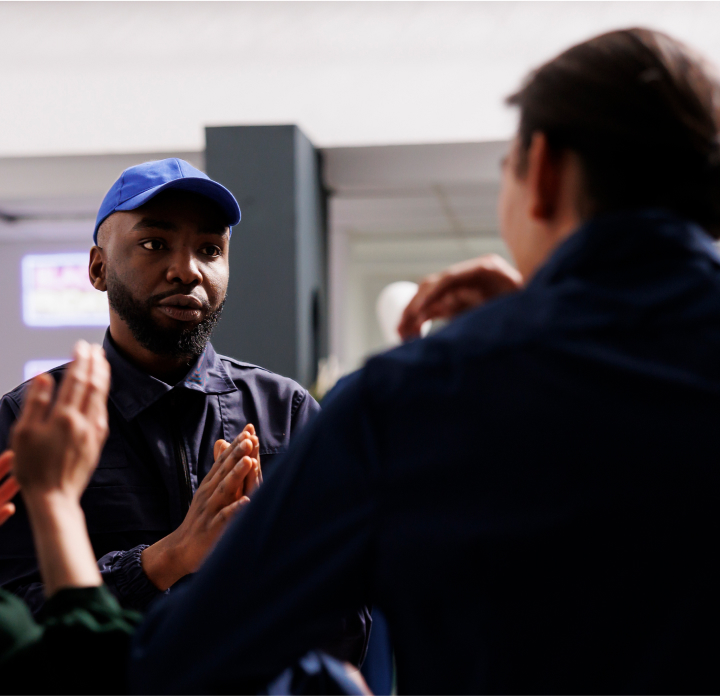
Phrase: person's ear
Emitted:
{"points": [[544, 179], [96, 269]]}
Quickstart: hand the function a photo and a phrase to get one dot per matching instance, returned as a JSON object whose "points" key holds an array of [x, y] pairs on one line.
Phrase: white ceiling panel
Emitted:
{"points": [[100, 77]]}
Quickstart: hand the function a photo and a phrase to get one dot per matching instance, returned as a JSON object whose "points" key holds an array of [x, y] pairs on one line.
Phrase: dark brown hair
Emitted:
{"points": [[642, 113]]}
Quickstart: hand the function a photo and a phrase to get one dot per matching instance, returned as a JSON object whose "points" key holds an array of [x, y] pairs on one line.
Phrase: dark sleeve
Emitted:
{"points": [[295, 562], [80, 645], [124, 576], [17, 626]]}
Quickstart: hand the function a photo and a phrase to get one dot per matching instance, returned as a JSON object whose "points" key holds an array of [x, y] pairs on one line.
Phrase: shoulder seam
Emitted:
{"points": [[239, 363]]}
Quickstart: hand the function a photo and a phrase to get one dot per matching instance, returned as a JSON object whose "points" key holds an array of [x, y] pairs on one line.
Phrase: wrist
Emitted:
{"points": [[63, 548], [163, 562], [45, 504]]}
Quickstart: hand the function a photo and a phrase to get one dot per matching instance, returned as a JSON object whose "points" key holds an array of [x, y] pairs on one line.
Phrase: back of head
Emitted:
{"points": [[642, 112]]}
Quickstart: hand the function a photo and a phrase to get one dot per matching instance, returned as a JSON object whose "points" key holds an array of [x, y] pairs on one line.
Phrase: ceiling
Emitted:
{"points": [[123, 77], [414, 191]]}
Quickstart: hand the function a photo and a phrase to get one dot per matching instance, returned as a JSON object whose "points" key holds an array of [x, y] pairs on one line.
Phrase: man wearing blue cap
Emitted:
{"points": [[161, 254]]}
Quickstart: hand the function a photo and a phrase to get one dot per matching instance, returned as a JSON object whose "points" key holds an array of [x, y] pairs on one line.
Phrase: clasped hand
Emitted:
{"points": [[233, 478]]}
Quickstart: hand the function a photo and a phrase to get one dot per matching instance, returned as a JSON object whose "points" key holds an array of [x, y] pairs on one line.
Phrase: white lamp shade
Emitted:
{"points": [[390, 306]]}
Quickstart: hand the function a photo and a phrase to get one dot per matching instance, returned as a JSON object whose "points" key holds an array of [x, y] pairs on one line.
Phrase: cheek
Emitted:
{"points": [[508, 211], [216, 283]]}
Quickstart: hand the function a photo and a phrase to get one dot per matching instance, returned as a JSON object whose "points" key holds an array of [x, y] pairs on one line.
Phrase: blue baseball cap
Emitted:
{"points": [[137, 185]]}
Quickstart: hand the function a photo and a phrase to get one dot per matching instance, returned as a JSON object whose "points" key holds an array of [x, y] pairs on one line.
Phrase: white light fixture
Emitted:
{"points": [[390, 306]]}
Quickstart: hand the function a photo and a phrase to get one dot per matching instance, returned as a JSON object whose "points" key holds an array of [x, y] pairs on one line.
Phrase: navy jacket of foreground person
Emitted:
{"points": [[140, 491], [530, 496]]}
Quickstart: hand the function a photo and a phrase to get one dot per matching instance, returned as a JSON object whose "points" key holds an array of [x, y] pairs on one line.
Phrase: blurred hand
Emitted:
{"points": [[233, 477], [56, 448], [458, 288], [8, 488]]}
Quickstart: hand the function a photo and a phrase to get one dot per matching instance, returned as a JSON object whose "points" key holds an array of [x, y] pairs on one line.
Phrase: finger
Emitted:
{"points": [[452, 304], [254, 479], [256, 448], [8, 490], [98, 386], [410, 323], [437, 292], [230, 488], [72, 389], [249, 428], [6, 463], [225, 515], [7, 510], [37, 399], [232, 454], [219, 448]]}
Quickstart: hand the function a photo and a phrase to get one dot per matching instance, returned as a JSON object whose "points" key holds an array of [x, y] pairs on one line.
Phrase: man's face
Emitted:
{"points": [[166, 271]]}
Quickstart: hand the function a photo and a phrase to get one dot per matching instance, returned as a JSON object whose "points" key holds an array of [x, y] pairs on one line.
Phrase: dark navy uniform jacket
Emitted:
{"points": [[531, 496], [160, 446]]}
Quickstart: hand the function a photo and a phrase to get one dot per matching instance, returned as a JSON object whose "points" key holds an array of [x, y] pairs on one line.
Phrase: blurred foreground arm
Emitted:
{"points": [[56, 448], [81, 643], [457, 289]]}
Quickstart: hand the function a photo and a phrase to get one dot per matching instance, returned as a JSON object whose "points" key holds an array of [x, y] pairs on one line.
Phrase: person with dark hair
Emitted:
{"points": [[639, 112], [529, 495], [161, 245]]}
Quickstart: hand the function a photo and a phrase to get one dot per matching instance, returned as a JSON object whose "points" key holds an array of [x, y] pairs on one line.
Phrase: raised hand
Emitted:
{"points": [[56, 448], [232, 478], [457, 289]]}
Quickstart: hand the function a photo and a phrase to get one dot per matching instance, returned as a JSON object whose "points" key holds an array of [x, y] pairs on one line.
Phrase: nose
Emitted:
{"points": [[184, 268]]}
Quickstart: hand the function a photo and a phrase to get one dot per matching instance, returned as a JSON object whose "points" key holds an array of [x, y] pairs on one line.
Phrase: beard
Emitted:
{"points": [[170, 341]]}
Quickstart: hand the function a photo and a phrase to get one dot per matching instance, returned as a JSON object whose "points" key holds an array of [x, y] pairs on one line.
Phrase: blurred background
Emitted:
{"points": [[362, 140]]}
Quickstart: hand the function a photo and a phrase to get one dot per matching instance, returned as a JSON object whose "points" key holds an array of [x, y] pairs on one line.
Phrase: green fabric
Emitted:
{"points": [[17, 626], [79, 643]]}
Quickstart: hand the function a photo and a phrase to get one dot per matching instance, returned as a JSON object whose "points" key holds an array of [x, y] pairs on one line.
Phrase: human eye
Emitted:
{"points": [[211, 250], [153, 244]]}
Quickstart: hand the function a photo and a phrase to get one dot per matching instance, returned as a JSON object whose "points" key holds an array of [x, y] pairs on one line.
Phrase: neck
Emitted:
{"points": [[167, 368]]}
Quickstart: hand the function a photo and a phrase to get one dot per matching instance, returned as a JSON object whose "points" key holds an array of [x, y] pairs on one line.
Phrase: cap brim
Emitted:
{"points": [[204, 187]]}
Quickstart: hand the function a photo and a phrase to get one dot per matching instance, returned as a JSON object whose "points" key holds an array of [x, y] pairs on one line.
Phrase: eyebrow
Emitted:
{"points": [[148, 224]]}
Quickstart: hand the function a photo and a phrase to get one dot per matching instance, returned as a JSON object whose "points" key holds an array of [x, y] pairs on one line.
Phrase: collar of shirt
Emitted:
{"points": [[133, 390], [603, 242]]}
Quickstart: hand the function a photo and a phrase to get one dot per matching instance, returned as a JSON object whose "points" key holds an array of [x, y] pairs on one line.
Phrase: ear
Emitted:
{"points": [[96, 269], [544, 179]]}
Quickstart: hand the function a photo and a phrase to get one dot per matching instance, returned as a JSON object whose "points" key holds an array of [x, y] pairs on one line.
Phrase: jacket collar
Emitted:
{"points": [[132, 390], [615, 237]]}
